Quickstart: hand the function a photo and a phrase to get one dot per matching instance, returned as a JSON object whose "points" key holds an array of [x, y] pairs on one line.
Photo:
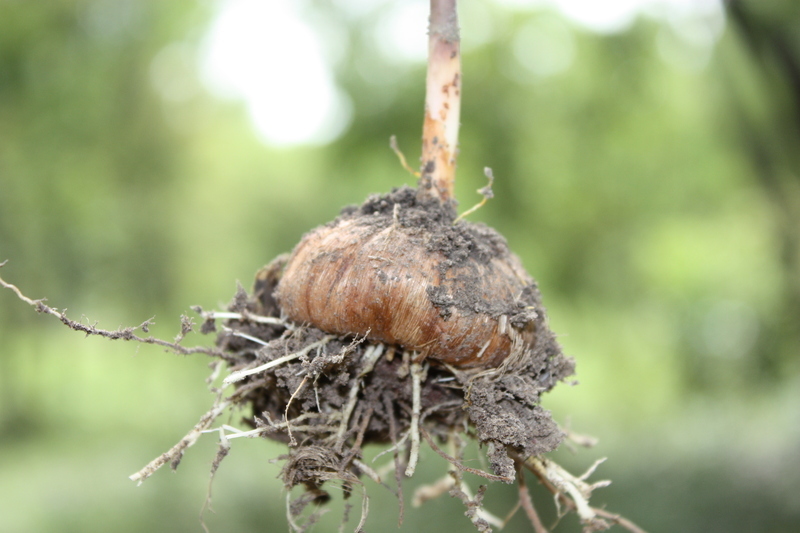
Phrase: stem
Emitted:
{"points": [[442, 102]]}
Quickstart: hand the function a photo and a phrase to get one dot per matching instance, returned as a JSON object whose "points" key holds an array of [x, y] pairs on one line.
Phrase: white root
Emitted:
{"points": [[371, 355], [364, 510], [566, 484], [433, 490], [239, 334], [215, 372], [348, 410], [245, 317], [368, 470], [393, 447], [292, 442], [241, 374], [416, 407]]}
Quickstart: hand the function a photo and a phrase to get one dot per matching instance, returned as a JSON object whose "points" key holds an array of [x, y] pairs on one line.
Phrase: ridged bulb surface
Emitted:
{"points": [[450, 294]]}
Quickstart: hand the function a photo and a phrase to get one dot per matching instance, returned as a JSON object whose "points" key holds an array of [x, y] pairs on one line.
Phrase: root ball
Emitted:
{"points": [[394, 325]]}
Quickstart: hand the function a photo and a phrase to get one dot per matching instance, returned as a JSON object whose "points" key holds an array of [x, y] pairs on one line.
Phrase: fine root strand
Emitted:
{"points": [[458, 465], [396, 149], [222, 452], [175, 453], [486, 192], [573, 493], [127, 334], [525, 501], [416, 406], [352, 398], [241, 374], [292, 441]]}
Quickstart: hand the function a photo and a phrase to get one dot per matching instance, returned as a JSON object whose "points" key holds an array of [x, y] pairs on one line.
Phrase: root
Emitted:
{"points": [[222, 452], [356, 447], [486, 192], [245, 336], [332, 435], [459, 466], [368, 470], [398, 469], [364, 510], [416, 384], [370, 357], [475, 511], [292, 442], [127, 334], [566, 484], [480, 514], [272, 426], [244, 316], [526, 503], [396, 149], [454, 483], [296, 506], [574, 493], [433, 490], [241, 374], [315, 495], [176, 452]]}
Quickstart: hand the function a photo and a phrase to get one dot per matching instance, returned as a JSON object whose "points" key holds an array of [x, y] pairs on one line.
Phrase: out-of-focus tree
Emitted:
{"points": [[765, 94], [84, 139]]}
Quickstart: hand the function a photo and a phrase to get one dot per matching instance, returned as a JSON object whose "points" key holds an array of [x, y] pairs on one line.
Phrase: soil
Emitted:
{"points": [[347, 389]]}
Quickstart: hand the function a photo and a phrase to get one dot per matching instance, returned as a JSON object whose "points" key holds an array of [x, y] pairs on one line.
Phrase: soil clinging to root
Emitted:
{"points": [[329, 392]]}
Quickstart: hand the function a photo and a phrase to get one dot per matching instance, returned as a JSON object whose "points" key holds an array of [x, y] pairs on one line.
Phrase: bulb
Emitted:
{"points": [[397, 270]]}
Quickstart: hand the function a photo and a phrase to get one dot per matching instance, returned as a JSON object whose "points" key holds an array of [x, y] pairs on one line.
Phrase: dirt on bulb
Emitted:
{"points": [[330, 392]]}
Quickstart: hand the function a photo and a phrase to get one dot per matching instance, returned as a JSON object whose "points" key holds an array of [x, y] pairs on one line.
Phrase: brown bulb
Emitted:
{"points": [[400, 272]]}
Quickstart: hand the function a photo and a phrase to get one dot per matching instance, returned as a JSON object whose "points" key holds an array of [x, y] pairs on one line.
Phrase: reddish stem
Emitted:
{"points": [[442, 102]]}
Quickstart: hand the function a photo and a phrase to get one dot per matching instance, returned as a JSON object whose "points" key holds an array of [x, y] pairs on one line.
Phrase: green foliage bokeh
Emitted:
{"points": [[654, 194]]}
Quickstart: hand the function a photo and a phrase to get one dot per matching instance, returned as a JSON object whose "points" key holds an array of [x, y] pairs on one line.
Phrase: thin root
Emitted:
{"points": [[400, 156], [486, 192], [222, 452], [454, 483], [433, 490], [292, 442], [526, 503], [416, 384], [241, 374], [120, 334], [573, 492], [175, 453], [456, 463], [244, 316], [370, 357], [474, 505]]}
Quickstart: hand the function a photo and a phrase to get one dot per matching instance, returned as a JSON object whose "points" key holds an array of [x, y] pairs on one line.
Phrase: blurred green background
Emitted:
{"points": [[648, 175]]}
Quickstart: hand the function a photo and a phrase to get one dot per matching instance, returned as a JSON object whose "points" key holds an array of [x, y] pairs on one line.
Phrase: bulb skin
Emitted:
{"points": [[450, 293]]}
